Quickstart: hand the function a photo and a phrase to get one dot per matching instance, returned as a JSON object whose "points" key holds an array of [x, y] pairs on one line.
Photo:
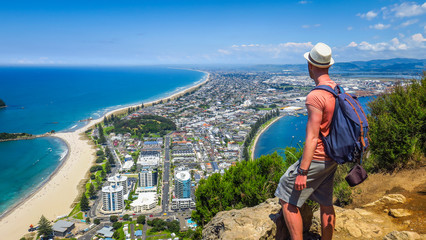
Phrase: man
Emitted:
{"points": [[312, 176]]}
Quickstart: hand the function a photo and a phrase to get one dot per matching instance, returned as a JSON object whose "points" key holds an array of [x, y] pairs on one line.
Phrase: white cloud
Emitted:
{"points": [[409, 22], [304, 2], [369, 15], [223, 51], [409, 9], [350, 28], [352, 44], [311, 26], [380, 26], [418, 37]]}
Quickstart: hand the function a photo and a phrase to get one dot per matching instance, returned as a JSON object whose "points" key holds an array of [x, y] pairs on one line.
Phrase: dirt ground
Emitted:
{"points": [[409, 182]]}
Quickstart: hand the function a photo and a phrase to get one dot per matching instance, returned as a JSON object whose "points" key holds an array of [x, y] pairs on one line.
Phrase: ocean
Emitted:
{"points": [[41, 99], [288, 131]]}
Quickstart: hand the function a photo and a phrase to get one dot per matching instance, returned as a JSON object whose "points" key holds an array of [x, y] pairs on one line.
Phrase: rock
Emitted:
{"points": [[404, 235], [388, 199], [264, 221], [400, 212]]}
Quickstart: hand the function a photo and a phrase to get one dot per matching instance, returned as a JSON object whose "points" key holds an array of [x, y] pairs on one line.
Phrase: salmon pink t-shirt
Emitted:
{"points": [[325, 102]]}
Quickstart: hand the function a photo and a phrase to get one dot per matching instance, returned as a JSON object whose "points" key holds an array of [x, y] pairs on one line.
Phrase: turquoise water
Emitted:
{"points": [[26, 164], [288, 131], [41, 99]]}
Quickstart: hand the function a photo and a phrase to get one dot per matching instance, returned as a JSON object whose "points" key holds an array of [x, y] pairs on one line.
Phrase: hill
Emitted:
{"points": [[2, 104]]}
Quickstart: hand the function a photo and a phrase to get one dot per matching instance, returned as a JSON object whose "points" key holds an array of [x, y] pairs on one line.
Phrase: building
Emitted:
{"points": [[61, 228], [182, 183], [145, 201], [149, 158], [182, 203], [119, 180], [106, 231], [148, 177], [112, 198]]}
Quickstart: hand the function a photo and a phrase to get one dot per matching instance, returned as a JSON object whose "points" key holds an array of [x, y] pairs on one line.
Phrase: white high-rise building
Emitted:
{"points": [[119, 180], [112, 198], [182, 183], [148, 177]]}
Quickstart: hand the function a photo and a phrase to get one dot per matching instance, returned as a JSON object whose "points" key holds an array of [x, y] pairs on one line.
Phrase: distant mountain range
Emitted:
{"points": [[395, 65]]}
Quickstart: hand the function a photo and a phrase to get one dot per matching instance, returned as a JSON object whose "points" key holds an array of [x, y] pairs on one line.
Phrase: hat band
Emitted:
{"points": [[312, 60]]}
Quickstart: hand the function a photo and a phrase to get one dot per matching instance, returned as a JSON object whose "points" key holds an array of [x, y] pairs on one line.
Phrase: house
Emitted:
{"points": [[62, 228], [106, 231]]}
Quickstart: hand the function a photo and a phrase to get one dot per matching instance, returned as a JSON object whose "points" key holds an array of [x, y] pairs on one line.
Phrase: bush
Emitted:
{"points": [[100, 159], [126, 217], [96, 221], [397, 127], [100, 153], [117, 225], [141, 219], [113, 218], [96, 168]]}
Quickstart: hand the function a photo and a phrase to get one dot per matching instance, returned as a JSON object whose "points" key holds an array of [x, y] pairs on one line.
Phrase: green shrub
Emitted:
{"points": [[398, 127]]}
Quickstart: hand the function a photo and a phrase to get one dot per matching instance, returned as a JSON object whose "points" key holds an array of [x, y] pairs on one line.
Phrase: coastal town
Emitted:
{"points": [[139, 179]]}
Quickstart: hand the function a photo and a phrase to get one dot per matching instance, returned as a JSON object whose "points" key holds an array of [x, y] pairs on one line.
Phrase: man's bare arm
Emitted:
{"points": [[312, 135]]}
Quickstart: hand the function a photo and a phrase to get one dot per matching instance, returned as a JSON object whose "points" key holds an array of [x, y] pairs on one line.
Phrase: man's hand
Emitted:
{"points": [[300, 182]]}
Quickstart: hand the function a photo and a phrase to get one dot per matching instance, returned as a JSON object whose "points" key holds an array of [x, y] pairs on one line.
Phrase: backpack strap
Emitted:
{"points": [[336, 91]]}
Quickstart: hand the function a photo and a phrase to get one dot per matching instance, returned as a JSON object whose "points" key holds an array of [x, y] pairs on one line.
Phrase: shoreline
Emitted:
{"points": [[55, 196], [258, 134]]}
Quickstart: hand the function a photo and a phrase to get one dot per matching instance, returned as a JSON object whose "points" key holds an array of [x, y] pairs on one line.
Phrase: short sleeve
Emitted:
{"points": [[316, 99]]}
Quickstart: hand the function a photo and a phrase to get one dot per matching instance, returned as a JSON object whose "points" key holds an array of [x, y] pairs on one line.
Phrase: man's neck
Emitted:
{"points": [[322, 78]]}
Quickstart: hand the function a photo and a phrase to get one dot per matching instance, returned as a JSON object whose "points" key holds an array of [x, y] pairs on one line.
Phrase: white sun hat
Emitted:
{"points": [[320, 56]]}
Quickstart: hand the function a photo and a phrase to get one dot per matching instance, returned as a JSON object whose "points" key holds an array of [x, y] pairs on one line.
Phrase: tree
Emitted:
{"points": [[141, 219], [173, 226], [113, 218], [397, 127], [45, 228], [88, 220], [107, 167], [92, 191], [2, 103], [97, 221], [116, 235], [117, 225], [84, 203], [126, 217]]}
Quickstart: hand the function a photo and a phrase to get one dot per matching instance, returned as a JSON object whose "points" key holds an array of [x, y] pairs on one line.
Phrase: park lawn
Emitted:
{"points": [[78, 215], [75, 210], [149, 233]]}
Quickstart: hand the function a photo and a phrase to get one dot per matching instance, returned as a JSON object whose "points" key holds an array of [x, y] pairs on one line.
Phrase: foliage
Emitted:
{"points": [[141, 219], [92, 191], [84, 203], [100, 159], [96, 168], [254, 128], [117, 225], [100, 153], [126, 217], [398, 127], [4, 136], [244, 185], [44, 227], [144, 125], [97, 221], [107, 167], [159, 225], [88, 220], [113, 218]]}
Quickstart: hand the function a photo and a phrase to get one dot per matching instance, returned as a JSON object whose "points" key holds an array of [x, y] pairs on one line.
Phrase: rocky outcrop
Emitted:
{"points": [[375, 220], [264, 221], [404, 235], [2, 104], [388, 199]]}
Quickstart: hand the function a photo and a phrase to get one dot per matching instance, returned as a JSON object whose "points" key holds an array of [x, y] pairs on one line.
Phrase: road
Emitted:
{"points": [[166, 175]]}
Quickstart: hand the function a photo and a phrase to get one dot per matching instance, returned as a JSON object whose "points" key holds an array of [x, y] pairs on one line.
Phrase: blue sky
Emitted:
{"points": [[207, 32]]}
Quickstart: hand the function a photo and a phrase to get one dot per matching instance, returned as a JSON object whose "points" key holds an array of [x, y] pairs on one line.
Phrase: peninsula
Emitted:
{"points": [[2, 103]]}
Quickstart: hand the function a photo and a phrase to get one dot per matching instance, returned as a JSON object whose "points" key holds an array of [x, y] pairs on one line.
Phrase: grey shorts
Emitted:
{"points": [[319, 184]]}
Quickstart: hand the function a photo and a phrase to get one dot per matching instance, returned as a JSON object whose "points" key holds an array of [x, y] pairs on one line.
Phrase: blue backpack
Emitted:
{"points": [[347, 139]]}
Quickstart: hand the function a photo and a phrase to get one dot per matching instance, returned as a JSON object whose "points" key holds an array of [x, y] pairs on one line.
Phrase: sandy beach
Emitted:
{"points": [[260, 134], [56, 196]]}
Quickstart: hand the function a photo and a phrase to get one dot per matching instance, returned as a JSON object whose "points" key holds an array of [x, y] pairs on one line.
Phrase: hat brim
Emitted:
{"points": [[306, 55]]}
